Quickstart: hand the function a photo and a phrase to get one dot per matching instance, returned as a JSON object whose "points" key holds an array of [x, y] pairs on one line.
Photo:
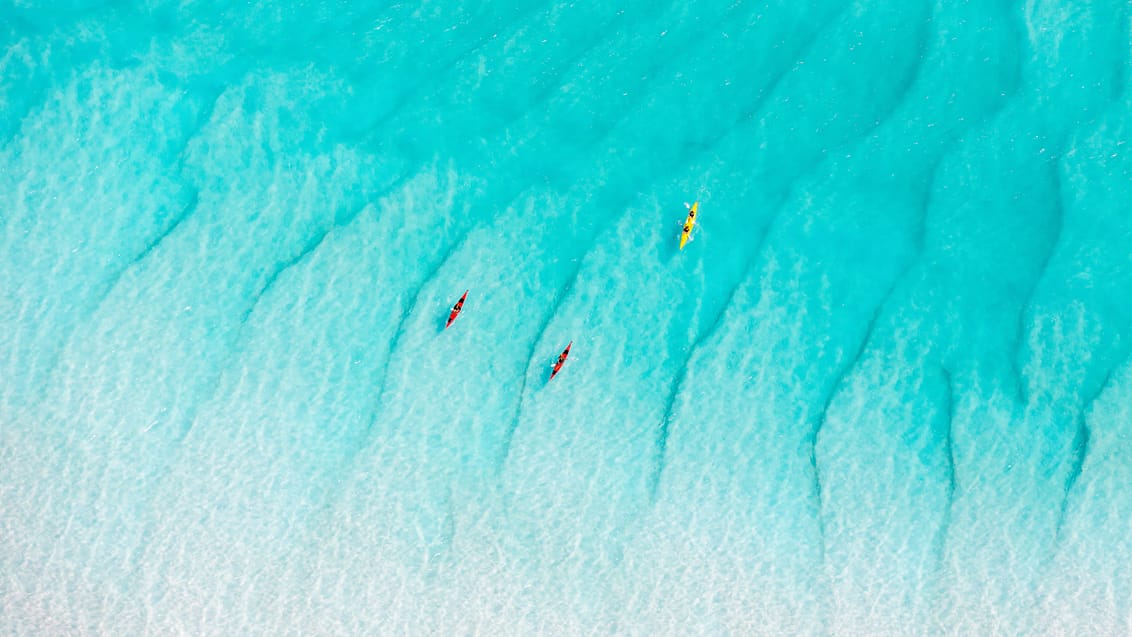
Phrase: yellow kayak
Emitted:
{"points": [[689, 223]]}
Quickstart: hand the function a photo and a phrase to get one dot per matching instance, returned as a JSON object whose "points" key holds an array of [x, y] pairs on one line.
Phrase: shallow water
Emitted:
{"points": [[885, 390]]}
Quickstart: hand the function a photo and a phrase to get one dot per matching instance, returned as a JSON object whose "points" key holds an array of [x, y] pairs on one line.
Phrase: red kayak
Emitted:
{"points": [[561, 359], [456, 310]]}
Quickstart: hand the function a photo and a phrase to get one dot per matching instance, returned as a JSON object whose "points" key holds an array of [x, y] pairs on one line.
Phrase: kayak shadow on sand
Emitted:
{"points": [[670, 246], [545, 376]]}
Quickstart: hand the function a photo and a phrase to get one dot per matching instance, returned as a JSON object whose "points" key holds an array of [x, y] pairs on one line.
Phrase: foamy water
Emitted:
{"points": [[885, 390]]}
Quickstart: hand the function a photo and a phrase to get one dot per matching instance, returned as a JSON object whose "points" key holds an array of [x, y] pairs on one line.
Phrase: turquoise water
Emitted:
{"points": [[886, 390]]}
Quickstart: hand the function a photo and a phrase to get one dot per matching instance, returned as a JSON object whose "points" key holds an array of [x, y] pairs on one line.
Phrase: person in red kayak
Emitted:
{"points": [[561, 359], [456, 310]]}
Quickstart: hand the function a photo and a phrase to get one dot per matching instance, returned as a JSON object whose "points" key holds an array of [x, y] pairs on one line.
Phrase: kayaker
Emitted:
{"points": [[561, 360], [456, 310]]}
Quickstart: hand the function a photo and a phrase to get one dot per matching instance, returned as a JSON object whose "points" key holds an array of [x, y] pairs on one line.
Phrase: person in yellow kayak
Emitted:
{"points": [[689, 223]]}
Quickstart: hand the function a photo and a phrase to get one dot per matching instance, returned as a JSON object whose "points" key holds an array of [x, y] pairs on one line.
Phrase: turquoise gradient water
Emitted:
{"points": [[886, 390]]}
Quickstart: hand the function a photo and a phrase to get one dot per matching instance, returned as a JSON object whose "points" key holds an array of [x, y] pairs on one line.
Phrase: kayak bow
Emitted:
{"points": [[561, 359], [689, 223], [456, 310]]}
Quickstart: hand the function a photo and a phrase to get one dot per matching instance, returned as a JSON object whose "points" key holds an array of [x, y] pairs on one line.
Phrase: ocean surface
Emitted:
{"points": [[885, 390]]}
